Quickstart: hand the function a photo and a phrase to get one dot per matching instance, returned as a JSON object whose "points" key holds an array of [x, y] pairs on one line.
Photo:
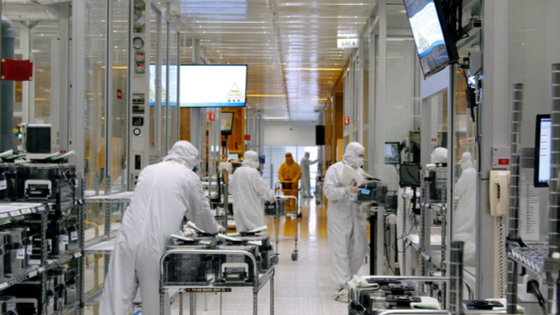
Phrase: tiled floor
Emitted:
{"points": [[301, 287]]}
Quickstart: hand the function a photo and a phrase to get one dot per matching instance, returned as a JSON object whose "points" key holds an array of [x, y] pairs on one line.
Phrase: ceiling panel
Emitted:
{"points": [[290, 46]]}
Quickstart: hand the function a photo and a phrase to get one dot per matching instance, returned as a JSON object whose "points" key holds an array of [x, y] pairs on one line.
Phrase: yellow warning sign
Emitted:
{"points": [[234, 95], [228, 125]]}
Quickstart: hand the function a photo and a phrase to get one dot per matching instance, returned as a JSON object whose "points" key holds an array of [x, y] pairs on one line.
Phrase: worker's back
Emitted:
{"points": [[248, 187]]}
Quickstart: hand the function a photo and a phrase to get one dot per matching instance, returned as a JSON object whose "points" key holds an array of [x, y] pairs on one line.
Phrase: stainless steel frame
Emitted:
{"points": [[258, 282]]}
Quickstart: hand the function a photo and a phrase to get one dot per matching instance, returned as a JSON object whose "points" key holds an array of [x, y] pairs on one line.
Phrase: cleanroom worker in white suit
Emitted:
{"points": [[248, 187], [305, 180], [165, 193], [464, 215], [345, 226]]}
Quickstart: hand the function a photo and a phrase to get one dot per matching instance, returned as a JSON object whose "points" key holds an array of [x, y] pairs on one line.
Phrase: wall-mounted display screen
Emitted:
{"points": [[392, 153], [226, 122], [434, 46], [542, 150], [213, 85]]}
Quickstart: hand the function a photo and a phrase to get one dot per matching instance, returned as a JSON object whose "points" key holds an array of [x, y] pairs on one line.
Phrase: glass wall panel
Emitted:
{"points": [[94, 142], [173, 88], [118, 94], [94, 133], [400, 97], [43, 39], [164, 60], [155, 97]]}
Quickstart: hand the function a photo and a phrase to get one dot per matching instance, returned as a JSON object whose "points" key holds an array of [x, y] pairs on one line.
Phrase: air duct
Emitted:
{"points": [[7, 88]]}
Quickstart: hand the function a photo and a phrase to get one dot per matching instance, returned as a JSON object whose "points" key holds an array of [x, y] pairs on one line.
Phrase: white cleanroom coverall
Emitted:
{"points": [[346, 225], [165, 193], [247, 188], [465, 213], [305, 180]]}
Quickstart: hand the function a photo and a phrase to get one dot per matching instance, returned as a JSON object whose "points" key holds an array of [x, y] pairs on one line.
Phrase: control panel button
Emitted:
{"points": [[137, 43], [138, 121], [139, 56], [136, 131]]}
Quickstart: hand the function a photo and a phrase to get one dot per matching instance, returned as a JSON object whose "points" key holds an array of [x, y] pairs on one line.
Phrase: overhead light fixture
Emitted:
{"points": [[275, 118], [266, 95], [313, 69]]}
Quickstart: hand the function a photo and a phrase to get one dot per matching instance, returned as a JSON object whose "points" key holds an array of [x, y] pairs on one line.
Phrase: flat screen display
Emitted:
{"points": [[38, 138], [213, 85], [409, 175], [542, 150], [392, 153], [226, 122], [434, 46]]}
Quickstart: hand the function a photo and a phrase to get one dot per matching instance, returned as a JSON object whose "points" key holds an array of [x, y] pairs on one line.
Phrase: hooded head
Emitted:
{"points": [[306, 154], [466, 162], [354, 155], [251, 159], [183, 152], [289, 158], [439, 155]]}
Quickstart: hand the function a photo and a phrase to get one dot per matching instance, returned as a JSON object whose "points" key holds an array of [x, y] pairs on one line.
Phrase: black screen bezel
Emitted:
{"points": [[410, 168], [537, 159], [450, 43]]}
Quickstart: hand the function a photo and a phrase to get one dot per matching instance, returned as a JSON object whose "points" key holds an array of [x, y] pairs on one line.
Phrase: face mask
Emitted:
{"points": [[360, 162]]}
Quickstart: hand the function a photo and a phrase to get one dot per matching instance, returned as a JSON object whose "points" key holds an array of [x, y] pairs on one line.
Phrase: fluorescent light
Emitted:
{"points": [[266, 95], [313, 69]]}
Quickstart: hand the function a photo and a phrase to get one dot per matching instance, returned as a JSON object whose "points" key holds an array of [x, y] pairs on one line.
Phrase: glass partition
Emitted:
{"points": [[173, 108], [42, 42], [465, 165], [118, 96], [465, 159], [401, 76], [154, 119], [163, 110], [94, 142]]}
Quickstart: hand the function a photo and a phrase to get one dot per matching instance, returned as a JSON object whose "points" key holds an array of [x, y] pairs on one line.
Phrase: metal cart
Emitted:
{"points": [[257, 282], [282, 213]]}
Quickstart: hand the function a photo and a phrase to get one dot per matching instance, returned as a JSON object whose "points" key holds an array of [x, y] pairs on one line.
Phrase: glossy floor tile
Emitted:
{"points": [[300, 287]]}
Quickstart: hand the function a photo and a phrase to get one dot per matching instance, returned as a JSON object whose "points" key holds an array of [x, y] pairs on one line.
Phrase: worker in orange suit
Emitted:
{"points": [[289, 175]]}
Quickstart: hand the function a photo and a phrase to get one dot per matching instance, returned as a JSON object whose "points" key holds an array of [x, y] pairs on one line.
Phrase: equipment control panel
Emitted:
{"points": [[139, 101]]}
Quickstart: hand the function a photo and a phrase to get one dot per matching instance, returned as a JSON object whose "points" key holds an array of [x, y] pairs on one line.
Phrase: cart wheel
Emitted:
{"points": [[294, 256], [274, 259], [317, 202]]}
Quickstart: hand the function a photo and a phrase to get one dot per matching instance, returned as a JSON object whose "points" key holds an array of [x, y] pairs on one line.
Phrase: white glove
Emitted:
{"points": [[272, 198], [220, 229], [353, 189], [188, 232]]}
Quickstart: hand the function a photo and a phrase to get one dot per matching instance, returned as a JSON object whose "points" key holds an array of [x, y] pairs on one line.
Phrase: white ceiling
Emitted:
{"points": [[290, 46]]}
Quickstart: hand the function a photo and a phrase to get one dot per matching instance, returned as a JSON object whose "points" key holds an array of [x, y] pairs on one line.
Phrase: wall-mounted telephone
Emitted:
{"points": [[499, 193]]}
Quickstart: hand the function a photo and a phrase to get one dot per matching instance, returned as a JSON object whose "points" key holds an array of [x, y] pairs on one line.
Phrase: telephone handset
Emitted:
{"points": [[499, 193]]}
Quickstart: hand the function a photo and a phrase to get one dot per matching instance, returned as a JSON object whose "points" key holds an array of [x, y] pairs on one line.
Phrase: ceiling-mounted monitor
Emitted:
{"points": [[213, 85], [435, 47]]}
